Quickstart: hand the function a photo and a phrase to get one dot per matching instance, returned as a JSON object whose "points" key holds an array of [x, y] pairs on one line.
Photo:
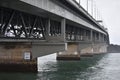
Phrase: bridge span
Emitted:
{"points": [[34, 28]]}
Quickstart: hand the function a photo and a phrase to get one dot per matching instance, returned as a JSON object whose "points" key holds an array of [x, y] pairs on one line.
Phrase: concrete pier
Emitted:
{"points": [[17, 57], [22, 66], [71, 52], [76, 50]]}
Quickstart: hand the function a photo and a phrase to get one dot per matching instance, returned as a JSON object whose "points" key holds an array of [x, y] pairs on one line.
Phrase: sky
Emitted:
{"points": [[109, 12]]}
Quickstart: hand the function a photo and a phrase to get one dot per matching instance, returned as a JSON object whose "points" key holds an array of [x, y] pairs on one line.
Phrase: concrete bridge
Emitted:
{"points": [[34, 28]]}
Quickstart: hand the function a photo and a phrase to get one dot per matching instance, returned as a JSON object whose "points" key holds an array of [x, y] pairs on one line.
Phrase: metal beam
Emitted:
{"points": [[8, 22]]}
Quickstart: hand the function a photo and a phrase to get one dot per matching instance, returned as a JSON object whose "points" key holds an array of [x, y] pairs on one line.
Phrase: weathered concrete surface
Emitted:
{"points": [[14, 51], [75, 50], [89, 49], [86, 49], [100, 48], [41, 49], [12, 57], [71, 52]]}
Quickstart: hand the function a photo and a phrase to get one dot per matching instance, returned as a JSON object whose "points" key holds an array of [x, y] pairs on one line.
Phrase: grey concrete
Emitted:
{"points": [[42, 49], [63, 28], [49, 8], [92, 48], [82, 49], [86, 48], [47, 28], [71, 52], [99, 48], [54, 8]]}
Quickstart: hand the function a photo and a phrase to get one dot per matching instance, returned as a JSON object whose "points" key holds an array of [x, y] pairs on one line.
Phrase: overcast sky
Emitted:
{"points": [[110, 11]]}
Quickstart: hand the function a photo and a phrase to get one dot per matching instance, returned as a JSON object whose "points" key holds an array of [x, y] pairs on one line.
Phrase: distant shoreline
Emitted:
{"points": [[113, 48]]}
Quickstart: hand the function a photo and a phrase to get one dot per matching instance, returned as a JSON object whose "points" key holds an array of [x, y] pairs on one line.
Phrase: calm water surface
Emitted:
{"points": [[99, 67]]}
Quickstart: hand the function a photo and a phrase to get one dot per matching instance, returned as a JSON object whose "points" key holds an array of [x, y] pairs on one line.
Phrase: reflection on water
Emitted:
{"points": [[99, 67]]}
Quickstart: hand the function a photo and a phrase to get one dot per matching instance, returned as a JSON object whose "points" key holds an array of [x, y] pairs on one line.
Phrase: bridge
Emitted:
{"points": [[34, 28]]}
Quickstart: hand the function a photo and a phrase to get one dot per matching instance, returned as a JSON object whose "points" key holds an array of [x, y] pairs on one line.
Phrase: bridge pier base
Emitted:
{"points": [[100, 48], [90, 49], [71, 52], [23, 66], [76, 50], [21, 56], [86, 49], [16, 57]]}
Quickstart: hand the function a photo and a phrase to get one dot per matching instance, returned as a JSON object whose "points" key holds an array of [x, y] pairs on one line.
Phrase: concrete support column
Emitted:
{"points": [[48, 27], [91, 35], [63, 27], [86, 49], [95, 36], [71, 53], [99, 37], [100, 48], [14, 56], [84, 35], [91, 38], [102, 38]]}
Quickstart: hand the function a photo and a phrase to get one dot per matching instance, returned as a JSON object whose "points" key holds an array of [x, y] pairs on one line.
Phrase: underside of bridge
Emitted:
{"points": [[29, 30]]}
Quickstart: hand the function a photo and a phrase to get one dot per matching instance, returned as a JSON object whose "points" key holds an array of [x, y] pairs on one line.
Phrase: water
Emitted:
{"points": [[99, 67]]}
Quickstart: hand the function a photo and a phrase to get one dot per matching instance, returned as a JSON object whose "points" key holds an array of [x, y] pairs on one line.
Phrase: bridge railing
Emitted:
{"points": [[77, 38]]}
